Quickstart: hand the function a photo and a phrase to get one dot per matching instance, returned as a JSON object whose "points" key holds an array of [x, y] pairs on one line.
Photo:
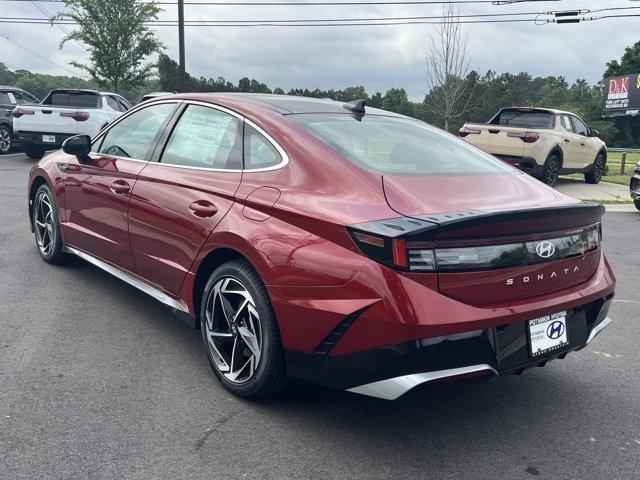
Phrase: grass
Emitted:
{"points": [[614, 159]]}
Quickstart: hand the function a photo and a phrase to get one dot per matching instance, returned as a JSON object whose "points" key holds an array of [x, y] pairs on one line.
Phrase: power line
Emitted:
{"points": [[316, 20], [557, 17], [330, 2], [34, 53]]}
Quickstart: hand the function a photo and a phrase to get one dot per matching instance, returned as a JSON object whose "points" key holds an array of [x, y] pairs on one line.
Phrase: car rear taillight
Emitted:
{"points": [[18, 112], [464, 131], [382, 245], [528, 137], [77, 116]]}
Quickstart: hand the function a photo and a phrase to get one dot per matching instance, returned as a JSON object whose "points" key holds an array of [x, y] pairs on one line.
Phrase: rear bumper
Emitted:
{"points": [[36, 138], [526, 164], [389, 372]]}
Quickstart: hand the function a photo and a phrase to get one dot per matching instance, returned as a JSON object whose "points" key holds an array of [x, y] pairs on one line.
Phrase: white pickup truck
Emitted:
{"points": [[62, 114], [542, 142]]}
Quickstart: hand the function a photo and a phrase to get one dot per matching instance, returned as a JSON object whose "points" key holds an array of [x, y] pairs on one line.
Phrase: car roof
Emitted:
{"points": [[6, 87], [284, 104]]}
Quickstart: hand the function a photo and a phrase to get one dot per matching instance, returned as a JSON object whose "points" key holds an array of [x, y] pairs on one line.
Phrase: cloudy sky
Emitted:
{"points": [[378, 57]]}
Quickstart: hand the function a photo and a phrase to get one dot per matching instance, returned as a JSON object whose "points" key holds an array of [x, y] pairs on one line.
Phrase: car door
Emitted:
{"points": [[571, 143], [587, 150], [98, 189], [178, 200]]}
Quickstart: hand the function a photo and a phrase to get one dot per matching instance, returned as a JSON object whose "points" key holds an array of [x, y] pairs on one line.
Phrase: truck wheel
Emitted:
{"points": [[597, 170], [5, 139], [637, 203], [551, 170], [33, 151]]}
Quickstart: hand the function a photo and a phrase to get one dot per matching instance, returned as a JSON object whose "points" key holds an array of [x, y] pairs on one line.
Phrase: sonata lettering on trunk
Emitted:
{"points": [[541, 277]]}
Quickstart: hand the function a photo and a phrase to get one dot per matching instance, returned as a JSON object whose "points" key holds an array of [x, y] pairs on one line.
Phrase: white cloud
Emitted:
{"points": [[377, 57]]}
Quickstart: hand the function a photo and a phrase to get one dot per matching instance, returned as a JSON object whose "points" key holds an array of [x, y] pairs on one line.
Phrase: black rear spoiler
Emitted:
{"points": [[496, 223]]}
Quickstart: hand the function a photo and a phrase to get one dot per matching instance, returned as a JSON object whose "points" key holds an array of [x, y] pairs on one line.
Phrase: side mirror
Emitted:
{"points": [[594, 133], [80, 146]]}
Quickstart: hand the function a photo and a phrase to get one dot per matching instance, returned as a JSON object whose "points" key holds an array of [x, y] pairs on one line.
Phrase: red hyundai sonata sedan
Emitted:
{"points": [[334, 243]]}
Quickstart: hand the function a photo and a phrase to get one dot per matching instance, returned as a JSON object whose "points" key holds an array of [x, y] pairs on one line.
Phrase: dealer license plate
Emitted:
{"points": [[548, 334], [48, 139]]}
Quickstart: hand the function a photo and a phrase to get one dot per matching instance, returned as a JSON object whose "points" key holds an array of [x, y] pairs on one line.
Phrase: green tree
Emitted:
{"points": [[396, 100], [629, 63], [117, 38]]}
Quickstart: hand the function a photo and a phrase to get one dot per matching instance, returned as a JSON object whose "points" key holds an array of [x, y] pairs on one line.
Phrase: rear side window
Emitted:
{"points": [[207, 138], [566, 123], [524, 118], [258, 151], [113, 104], [4, 99], [73, 99], [398, 145], [132, 137]]}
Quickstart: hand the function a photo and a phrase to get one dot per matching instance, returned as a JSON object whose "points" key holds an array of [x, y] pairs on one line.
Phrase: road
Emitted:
{"points": [[100, 381]]}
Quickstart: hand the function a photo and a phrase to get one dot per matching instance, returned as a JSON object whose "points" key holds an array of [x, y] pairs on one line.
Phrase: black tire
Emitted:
{"points": [[597, 170], [637, 203], [6, 139], [34, 151], [52, 253], [551, 170], [268, 376]]}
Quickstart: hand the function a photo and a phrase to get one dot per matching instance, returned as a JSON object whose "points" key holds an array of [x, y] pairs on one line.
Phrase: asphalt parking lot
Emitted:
{"points": [[100, 381]]}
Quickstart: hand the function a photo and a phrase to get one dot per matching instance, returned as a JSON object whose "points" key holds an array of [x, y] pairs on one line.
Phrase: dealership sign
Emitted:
{"points": [[622, 96]]}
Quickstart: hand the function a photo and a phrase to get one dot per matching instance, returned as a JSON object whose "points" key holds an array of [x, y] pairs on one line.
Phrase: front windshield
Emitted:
{"points": [[398, 145]]}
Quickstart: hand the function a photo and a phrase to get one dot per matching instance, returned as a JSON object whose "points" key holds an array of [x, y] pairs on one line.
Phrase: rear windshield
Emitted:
{"points": [[524, 118], [398, 145], [73, 99]]}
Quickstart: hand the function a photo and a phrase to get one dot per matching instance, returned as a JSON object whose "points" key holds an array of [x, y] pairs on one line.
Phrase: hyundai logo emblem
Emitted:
{"points": [[555, 329], [545, 249]]}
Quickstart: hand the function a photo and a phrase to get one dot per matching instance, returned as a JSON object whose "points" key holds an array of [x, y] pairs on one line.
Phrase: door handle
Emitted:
{"points": [[119, 187], [203, 209], [583, 144], [566, 140]]}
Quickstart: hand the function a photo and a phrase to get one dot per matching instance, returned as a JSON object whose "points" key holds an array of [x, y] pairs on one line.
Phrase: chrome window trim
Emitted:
{"points": [[131, 280], [393, 388], [283, 154]]}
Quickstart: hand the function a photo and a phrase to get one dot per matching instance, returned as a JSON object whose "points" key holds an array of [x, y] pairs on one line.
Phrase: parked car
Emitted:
{"points": [[9, 98], [335, 243], [62, 114], [541, 142], [634, 187]]}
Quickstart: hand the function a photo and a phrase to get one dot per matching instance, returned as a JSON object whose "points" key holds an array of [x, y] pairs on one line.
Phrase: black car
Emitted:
{"points": [[635, 186], [9, 98]]}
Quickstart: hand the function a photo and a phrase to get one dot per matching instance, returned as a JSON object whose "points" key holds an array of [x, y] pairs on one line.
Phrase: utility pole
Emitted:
{"points": [[183, 75]]}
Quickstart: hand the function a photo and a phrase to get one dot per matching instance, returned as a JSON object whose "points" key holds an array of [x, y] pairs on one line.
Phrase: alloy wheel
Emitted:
{"points": [[5, 140], [232, 328], [551, 173], [598, 169], [43, 223]]}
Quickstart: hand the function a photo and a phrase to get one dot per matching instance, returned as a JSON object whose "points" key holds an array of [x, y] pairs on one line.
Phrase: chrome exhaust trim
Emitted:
{"points": [[598, 328], [393, 388]]}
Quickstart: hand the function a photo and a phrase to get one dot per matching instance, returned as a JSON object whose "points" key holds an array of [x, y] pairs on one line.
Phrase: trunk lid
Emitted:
{"points": [[504, 218]]}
